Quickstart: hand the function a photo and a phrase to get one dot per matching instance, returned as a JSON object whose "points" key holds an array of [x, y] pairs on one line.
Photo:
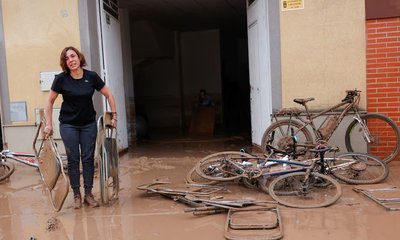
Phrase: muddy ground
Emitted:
{"points": [[26, 213]]}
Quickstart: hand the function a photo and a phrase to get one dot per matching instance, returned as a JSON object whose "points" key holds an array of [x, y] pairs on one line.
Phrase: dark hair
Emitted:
{"points": [[63, 62]]}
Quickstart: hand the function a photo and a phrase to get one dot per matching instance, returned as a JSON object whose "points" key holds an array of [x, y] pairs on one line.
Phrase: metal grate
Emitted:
{"points": [[111, 7], [249, 2]]}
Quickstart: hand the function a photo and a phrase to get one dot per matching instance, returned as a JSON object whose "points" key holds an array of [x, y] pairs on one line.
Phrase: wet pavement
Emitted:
{"points": [[26, 212]]}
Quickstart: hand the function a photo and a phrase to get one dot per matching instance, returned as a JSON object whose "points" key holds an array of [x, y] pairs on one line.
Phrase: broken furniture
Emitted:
{"points": [[51, 168], [388, 196], [259, 223]]}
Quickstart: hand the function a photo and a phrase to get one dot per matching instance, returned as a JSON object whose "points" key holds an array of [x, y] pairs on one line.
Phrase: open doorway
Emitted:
{"points": [[174, 56]]}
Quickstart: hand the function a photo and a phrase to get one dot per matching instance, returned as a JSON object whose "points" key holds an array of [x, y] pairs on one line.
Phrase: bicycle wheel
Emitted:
{"points": [[358, 168], [223, 166], [249, 183], [6, 169], [264, 182], [293, 191], [384, 134], [108, 171], [193, 177], [279, 136]]}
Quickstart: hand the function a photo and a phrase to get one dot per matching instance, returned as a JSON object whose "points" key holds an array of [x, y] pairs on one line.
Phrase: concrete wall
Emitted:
{"points": [[35, 32], [201, 61], [157, 93], [201, 65], [323, 51], [165, 80]]}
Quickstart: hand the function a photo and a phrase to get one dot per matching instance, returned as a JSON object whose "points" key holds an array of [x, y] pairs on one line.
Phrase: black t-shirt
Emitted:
{"points": [[77, 106]]}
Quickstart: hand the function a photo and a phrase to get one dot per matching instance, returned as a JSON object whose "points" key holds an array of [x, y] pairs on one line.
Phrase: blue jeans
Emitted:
{"points": [[80, 143]]}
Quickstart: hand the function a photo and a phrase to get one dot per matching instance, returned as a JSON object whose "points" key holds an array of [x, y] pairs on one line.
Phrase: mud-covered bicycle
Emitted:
{"points": [[7, 166], [222, 167], [352, 168], [309, 189], [372, 132]]}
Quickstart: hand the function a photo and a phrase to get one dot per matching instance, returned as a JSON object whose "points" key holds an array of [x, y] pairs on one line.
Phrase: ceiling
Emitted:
{"points": [[188, 14]]}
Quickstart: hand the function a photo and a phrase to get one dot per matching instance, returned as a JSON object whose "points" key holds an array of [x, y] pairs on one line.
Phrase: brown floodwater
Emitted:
{"points": [[26, 212]]}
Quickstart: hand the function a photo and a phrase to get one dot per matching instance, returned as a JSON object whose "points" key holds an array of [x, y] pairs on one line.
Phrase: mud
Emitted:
{"points": [[52, 224], [26, 212]]}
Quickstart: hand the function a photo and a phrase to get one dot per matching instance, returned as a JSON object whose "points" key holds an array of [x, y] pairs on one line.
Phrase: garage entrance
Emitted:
{"points": [[180, 47]]}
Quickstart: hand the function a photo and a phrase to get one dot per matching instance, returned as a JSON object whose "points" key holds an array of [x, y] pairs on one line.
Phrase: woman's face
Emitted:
{"points": [[72, 60]]}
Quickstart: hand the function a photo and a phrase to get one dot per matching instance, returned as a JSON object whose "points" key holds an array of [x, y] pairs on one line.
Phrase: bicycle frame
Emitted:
{"points": [[24, 158], [350, 103], [294, 166], [268, 162], [250, 169], [302, 166]]}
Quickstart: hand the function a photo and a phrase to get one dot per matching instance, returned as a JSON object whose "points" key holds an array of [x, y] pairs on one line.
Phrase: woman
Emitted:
{"points": [[204, 99], [77, 118]]}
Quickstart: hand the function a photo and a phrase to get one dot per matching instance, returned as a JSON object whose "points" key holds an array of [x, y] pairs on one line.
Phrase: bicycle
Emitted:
{"points": [[7, 168], [241, 166], [380, 133], [194, 178], [351, 168], [309, 189]]}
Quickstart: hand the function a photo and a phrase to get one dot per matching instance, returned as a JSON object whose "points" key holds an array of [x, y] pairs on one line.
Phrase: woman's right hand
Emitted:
{"points": [[48, 131]]}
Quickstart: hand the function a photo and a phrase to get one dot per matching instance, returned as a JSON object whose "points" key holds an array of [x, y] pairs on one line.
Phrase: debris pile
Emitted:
{"points": [[247, 218]]}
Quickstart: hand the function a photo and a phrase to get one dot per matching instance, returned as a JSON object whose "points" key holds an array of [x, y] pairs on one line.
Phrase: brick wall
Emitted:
{"points": [[383, 67]]}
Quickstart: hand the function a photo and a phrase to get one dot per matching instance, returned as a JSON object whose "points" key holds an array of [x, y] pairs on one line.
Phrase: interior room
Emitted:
{"points": [[179, 48]]}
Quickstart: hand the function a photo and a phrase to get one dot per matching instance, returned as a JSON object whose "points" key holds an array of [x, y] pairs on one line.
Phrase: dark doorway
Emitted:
{"points": [[167, 78]]}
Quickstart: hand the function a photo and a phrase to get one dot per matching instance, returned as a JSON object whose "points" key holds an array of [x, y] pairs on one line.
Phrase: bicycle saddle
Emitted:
{"points": [[302, 101]]}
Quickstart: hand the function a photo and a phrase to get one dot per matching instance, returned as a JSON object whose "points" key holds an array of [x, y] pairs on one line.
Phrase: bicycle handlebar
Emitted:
{"points": [[350, 94], [353, 91], [244, 150]]}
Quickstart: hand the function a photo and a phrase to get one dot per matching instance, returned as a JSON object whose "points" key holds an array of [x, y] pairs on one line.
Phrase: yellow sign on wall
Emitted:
{"points": [[292, 5]]}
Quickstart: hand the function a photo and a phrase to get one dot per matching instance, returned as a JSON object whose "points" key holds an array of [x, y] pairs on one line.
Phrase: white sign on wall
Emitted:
{"points": [[46, 80], [18, 112]]}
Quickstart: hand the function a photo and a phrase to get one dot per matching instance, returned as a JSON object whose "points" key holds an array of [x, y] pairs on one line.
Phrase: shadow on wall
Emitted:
{"points": [[141, 127]]}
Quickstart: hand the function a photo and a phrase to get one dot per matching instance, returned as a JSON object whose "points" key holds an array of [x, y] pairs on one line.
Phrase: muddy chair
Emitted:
{"points": [[51, 168], [107, 158]]}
